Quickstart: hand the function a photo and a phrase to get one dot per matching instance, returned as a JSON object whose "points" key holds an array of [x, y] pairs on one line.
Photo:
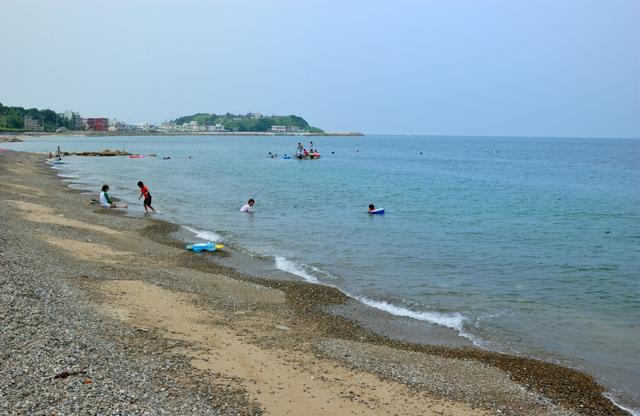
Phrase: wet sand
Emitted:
{"points": [[255, 345]]}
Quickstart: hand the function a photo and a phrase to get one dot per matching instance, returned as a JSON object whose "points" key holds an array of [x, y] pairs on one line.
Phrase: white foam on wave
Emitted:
{"points": [[290, 267], [634, 412], [452, 320], [323, 273], [205, 235]]}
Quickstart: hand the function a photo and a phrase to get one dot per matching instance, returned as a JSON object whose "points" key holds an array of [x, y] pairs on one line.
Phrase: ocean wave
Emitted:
{"points": [[307, 272], [290, 267], [450, 320], [205, 235], [453, 321], [322, 273], [633, 411]]}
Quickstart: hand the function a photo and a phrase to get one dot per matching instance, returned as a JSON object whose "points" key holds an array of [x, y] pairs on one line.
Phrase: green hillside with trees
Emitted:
{"points": [[12, 118], [247, 123]]}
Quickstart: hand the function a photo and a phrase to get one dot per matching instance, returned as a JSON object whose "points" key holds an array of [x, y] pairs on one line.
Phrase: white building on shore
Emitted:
{"points": [[285, 129], [76, 119], [168, 126], [190, 126], [219, 128], [116, 125]]}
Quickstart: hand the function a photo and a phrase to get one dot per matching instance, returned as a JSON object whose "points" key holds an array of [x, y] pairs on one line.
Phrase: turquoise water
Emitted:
{"points": [[518, 244]]}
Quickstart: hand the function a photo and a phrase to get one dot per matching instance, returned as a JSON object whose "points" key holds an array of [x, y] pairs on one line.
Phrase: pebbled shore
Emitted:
{"points": [[106, 314]]}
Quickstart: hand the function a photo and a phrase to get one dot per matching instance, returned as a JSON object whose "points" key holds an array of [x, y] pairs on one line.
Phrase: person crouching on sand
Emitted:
{"points": [[247, 207], [105, 199], [144, 191]]}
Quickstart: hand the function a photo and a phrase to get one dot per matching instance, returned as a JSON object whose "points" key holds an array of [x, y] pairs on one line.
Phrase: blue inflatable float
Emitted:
{"points": [[377, 211], [209, 246]]}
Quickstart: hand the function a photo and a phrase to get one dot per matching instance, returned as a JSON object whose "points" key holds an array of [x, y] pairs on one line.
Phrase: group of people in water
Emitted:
{"points": [[58, 155], [302, 153], [106, 202]]}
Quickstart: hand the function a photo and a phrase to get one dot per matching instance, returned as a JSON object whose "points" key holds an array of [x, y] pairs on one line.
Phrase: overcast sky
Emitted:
{"points": [[456, 67]]}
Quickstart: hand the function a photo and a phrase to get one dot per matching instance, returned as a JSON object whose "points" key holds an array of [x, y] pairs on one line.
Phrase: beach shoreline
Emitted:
{"points": [[136, 265]]}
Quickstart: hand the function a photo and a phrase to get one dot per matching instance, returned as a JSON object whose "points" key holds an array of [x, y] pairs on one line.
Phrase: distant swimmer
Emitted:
{"points": [[373, 210], [247, 207], [144, 191], [105, 199]]}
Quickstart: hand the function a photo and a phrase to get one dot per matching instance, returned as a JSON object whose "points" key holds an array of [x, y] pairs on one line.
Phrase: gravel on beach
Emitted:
{"points": [[61, 357]]}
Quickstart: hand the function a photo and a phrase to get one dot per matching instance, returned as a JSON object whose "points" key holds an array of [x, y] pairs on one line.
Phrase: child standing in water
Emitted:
{"points": [[144, 191], [247, 207]]}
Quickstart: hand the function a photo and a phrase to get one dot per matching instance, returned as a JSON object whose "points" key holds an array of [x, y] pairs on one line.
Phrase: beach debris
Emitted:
{"points": [[282, 327], [66, 373]]}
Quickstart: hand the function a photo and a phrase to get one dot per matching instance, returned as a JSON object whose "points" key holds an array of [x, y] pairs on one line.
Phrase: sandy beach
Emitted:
{"points": [[103, 313]]}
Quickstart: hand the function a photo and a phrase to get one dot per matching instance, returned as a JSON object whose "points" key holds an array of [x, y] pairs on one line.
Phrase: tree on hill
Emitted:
{"points": [[245, 123], [12, 118]]}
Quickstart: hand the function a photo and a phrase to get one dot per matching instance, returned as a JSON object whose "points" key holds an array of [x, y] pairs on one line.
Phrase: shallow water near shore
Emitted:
{"points": [[520, 245]]}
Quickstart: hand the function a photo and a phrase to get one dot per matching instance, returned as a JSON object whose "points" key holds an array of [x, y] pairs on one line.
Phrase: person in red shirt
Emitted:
{"points": [[144, 191]]}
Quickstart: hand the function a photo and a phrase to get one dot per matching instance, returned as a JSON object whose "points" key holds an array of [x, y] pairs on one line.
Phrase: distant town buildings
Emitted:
{"points": [[144, 126], [102, 124], [168, 126], [285, 129], [218, 128], [32, 124], [116, 125], [76, 120], [192, 126], [98, 124]]}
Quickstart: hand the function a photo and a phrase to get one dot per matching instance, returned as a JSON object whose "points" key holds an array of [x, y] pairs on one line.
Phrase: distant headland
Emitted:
{"points": [[18, 120]]}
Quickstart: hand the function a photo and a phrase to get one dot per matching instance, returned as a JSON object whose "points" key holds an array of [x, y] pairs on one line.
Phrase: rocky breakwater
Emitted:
{"points": [[106, 152], [9, 139]]}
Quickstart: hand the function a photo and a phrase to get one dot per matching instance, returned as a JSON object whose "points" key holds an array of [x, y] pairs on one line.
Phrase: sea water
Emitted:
{"points": [[524, 245]]}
